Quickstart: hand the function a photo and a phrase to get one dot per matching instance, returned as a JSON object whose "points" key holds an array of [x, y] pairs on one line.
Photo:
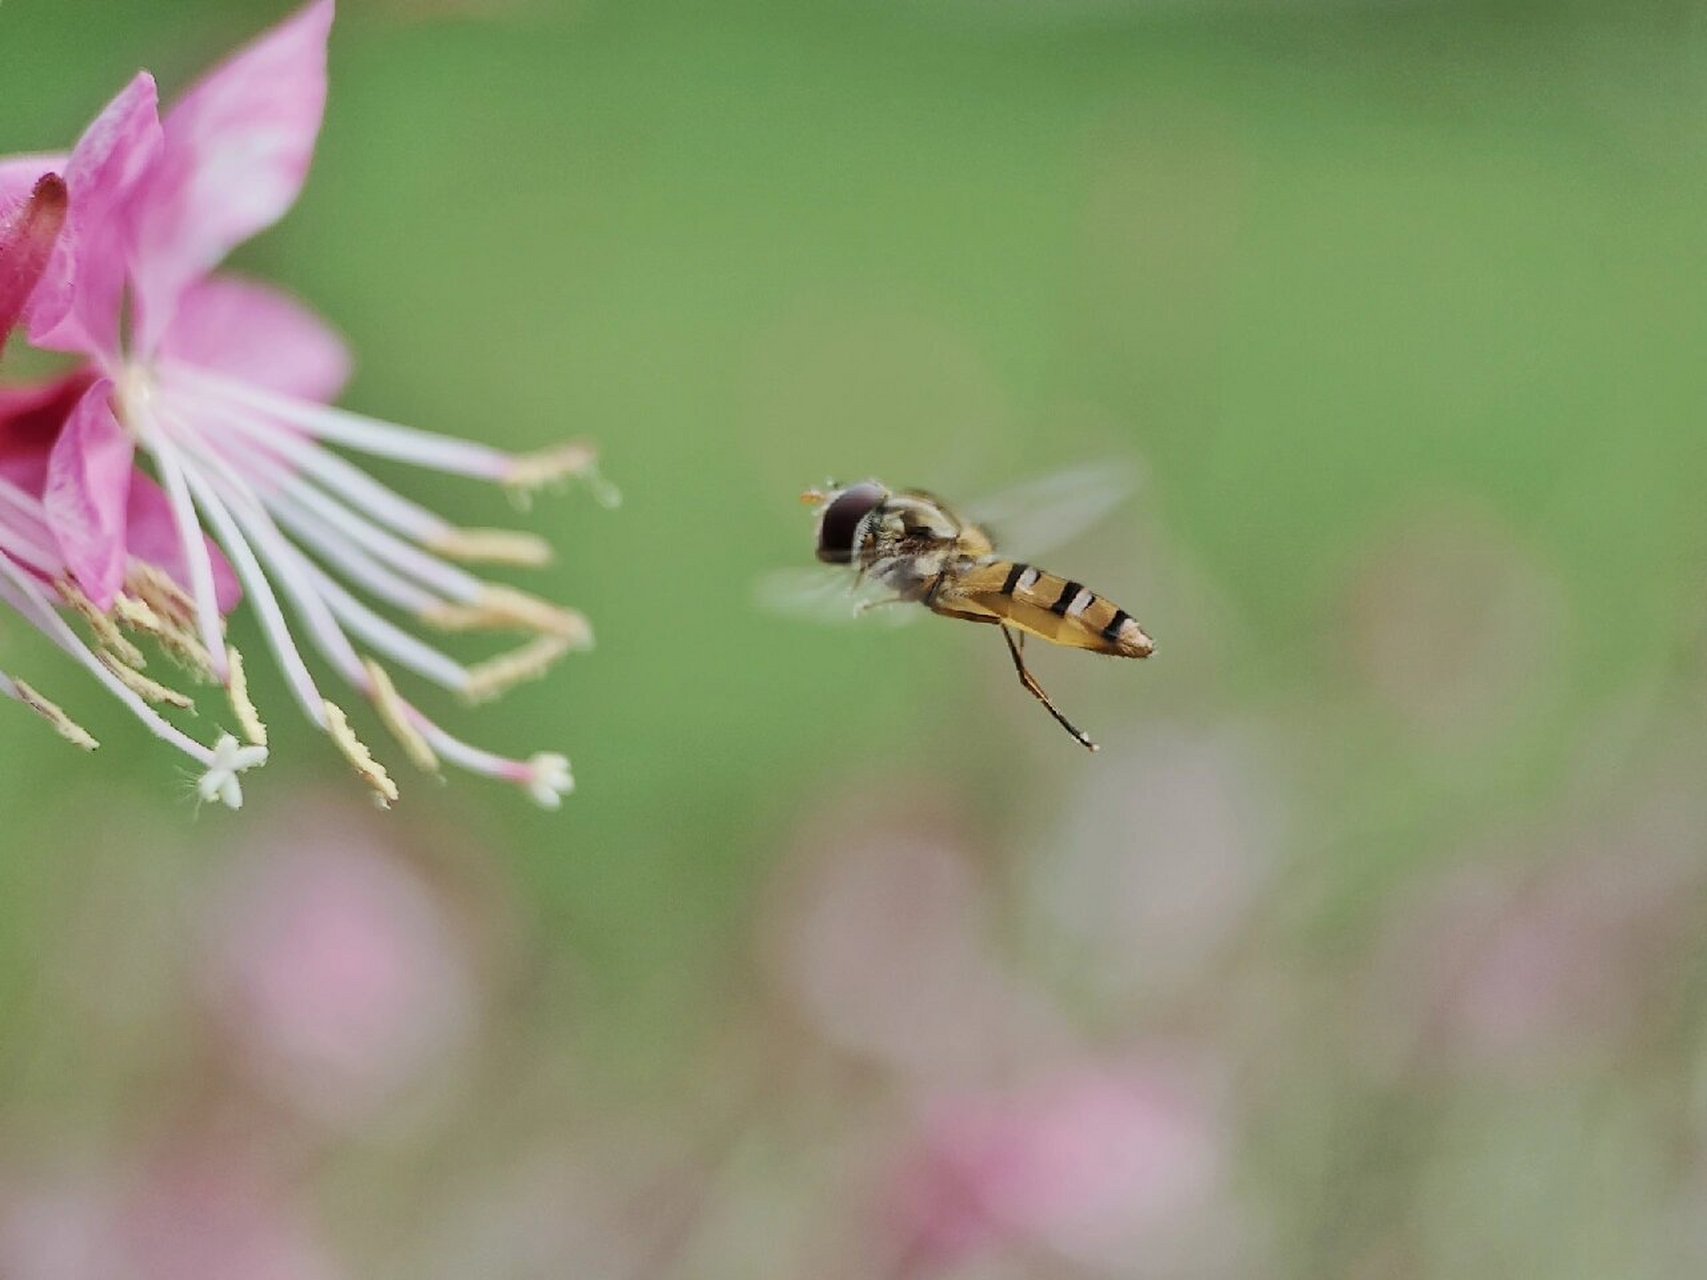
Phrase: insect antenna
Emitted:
{"points": [[1036, 691]]}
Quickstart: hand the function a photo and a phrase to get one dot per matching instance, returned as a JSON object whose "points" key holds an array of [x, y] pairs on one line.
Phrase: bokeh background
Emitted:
{"points": [[1369, 946]]}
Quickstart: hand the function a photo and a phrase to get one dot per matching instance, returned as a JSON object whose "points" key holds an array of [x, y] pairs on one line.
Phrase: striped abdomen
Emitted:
{"points": [[1053, 608]]}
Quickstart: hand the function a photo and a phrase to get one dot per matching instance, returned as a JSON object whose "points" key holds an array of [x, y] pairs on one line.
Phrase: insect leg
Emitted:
{"points": [[1036, 691]]}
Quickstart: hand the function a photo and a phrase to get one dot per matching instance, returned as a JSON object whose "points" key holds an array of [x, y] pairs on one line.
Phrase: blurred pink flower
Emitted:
{"points": [[1513, 965], [880, 941], [335, 969], [224, 384], [195, 1213], [1099, 1165], [1162, 854]]}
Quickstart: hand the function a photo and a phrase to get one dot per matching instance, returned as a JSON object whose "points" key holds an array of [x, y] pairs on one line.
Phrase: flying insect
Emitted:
{"points": [[907, 546]]}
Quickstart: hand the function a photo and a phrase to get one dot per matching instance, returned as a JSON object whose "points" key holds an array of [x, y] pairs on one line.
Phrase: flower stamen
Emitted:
{"points": [[20, 591], [533, 660], [242, 706], [491, 546], [573, 460], [501, 608], [209, 624], [102, 624], [369, 770], [141, 685], [50, 711], [393, 712], [266, 603]]}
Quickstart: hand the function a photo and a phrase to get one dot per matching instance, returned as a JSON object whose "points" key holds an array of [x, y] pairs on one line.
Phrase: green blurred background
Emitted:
{"points": [[1398, 306]]}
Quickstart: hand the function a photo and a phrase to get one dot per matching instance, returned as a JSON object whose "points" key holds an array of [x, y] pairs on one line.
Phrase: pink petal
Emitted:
{"points": [[30, 421], [238, 147], [33, 420], [258, 335], [87, 494], [153, 537], [27, 236], [19, 175], [76, 306]]}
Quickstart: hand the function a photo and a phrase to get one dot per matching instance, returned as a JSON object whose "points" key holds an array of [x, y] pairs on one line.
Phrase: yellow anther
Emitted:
{"points": [[186, 649], [394, 715], [157, 590], [242, 706], [63, 724], [492, 546], [506, 609], [492, 678], [106, 629], [576, 460], [141, 685], [133, 613], [369, 770], [158, 607]]}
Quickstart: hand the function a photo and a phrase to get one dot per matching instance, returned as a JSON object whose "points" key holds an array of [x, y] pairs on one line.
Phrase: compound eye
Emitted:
{"points": [[841, 521]]}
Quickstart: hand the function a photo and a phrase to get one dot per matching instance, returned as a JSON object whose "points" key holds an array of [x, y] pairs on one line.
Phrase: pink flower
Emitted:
{"points": [[1092, 1164], [1529, 964], [1163, 854], [206, 1209], [882, 942], [224, 383], [335, 969], [35, 580], [37, 454]]}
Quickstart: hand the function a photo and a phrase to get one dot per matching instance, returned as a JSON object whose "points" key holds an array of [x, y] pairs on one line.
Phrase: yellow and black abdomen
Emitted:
{"points": [[1048, 606]]}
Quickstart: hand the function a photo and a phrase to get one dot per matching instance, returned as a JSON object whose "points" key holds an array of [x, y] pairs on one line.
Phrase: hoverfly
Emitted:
{"points": [[910, 547]]}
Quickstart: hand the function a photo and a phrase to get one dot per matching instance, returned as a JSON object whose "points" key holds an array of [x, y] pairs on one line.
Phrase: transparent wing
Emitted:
{"points": [[830, 594], [1039, 515]]}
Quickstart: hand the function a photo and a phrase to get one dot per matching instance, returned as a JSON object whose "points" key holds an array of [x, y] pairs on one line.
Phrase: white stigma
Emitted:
{"points": [[230, 758], [549, 779]]}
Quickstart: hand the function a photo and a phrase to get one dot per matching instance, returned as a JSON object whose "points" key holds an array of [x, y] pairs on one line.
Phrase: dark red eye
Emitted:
{"points": [[841, 520]]}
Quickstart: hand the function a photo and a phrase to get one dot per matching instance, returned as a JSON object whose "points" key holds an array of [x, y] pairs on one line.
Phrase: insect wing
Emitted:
{"points": [[831, 595], [1039, 515]]}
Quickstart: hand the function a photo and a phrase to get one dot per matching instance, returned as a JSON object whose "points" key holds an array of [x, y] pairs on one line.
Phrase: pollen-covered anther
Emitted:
{"points": [[157, 607], [186, 649], [492, 678], [50, 711], [575, 460], [492, 546], [143, 687], [566, 461], [180, 643], [505, 609], [242, 706], [157, 590], [104, 625], [369, 770], [394, 715], [131, 612]]}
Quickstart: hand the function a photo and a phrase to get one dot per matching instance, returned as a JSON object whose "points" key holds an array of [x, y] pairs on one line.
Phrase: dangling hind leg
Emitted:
{"points": [[1036, 691]]}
